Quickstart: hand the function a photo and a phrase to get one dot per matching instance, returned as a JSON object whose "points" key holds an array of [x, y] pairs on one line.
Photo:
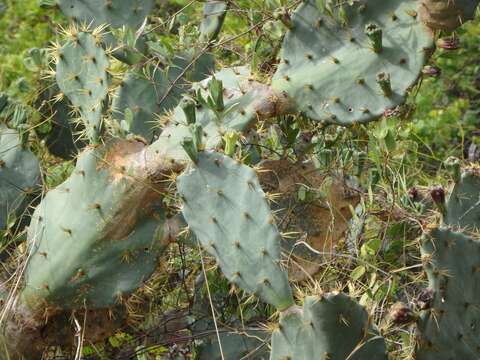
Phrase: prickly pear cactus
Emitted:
{"points": [[226, 208], [462, 208], [214, 13], [161, 91], [345, 64], [332, 327], [450, 328], [116, 13], [19, 174], [447, 14], [97, 237], [82, 75]]}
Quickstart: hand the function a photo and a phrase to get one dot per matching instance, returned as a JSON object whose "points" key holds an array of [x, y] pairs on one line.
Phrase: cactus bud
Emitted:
{"points": [[189, 109], [431, 71], [190, 148], [425, 299], [450, 43], [230, 139], [453, 165], [383, 80], [374, 34], [283, 15], [438, 197], [401, 313], [413, 194], [216, 94]]}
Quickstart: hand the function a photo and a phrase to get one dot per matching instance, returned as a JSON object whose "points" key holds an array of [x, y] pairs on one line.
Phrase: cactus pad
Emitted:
{"points": [[450, 329], [332, 327], [116, 13], [96, 237], [226, 208], [19, 174], [82, 75], [214, 13], [463, 204], [333, 67]]}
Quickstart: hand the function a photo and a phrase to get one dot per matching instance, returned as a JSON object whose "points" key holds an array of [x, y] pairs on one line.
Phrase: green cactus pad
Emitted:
{"points": [[147, 97], [116, 13], [450, 329], [92, 241], [463, 204], [329, 66], [240, 114], [82, 75], [19, 174], [246, 344], [332, 327], [226, 208], [214, 13]]}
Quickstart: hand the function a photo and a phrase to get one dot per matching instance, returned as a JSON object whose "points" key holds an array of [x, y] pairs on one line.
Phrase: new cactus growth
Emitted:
{"points": [[245, 101], [330, 61]]}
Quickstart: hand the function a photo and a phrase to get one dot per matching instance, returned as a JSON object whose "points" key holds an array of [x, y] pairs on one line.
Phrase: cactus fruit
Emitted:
{"points": [[103, 227], [148, 96], [19, 174], [82, 75], [214, 13], [449, 328], [347, 64], [116, 13], [447, 14], [330, 326], [237, 226]]}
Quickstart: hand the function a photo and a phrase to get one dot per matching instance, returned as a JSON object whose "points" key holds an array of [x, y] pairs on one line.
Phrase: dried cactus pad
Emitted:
{"points": [[347, 64], [450, 327], [332, 327], [115, 13], [226, 208], [447, 14]]}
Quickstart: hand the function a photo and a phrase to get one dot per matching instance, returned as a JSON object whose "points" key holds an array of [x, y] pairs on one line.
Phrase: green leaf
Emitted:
{"points": [[358, 272]]}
